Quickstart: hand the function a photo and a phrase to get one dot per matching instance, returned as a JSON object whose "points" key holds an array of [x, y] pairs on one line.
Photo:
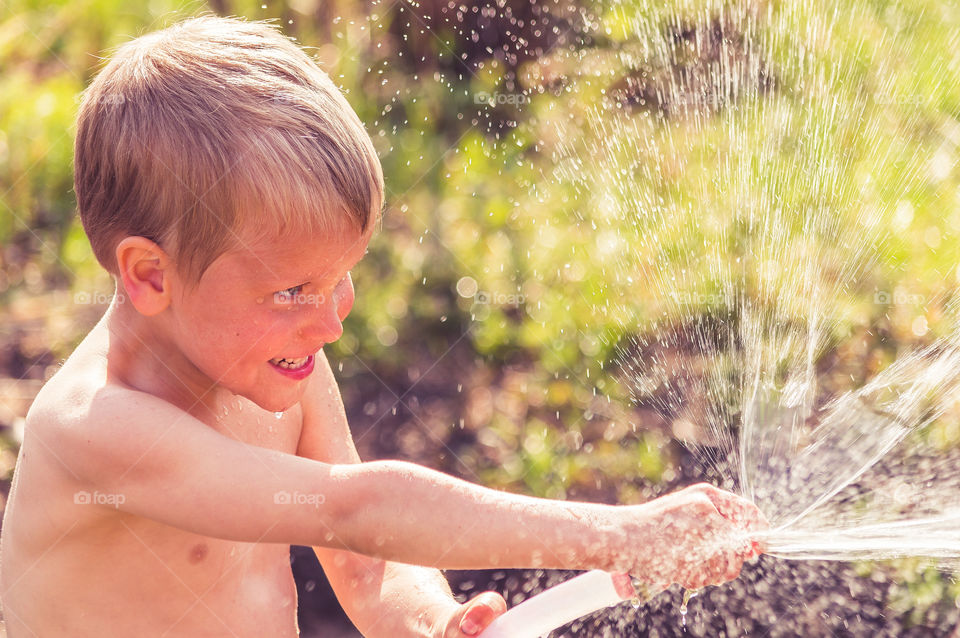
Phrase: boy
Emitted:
{"points": [[198, 431]]}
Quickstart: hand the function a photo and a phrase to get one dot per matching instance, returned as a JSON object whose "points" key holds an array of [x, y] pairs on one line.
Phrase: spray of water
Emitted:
{"points": [[737, 174], [843, 487], [745, 181]]}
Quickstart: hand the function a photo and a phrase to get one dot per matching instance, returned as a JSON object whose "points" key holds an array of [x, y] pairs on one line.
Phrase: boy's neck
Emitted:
{"points": [[141, 355]]}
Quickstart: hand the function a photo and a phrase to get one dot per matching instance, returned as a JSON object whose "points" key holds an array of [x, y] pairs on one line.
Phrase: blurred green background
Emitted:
{"points": [[501, 287]]}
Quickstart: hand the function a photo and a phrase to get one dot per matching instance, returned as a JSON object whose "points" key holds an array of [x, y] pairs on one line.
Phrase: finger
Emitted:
{"points": [[732, 507], [695, 580], [749, 549], [702, 573], [480, 611], [753, 518], [724, 502], [719, 567], [744, 515], [734, 563], [758, 547], [623, 585]]}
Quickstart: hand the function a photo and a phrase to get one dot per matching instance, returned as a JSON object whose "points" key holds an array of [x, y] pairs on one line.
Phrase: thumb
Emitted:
{"points": [[477, 613]]}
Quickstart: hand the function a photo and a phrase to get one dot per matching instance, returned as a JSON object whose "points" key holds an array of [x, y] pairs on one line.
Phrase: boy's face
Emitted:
{"points": [[260, 312]]}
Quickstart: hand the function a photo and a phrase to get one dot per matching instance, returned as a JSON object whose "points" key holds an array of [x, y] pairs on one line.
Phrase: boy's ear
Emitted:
{"points": [[146, 273]]}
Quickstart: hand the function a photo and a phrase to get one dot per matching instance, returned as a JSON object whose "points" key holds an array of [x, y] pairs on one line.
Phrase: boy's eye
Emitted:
{"points": [[288, 295]]}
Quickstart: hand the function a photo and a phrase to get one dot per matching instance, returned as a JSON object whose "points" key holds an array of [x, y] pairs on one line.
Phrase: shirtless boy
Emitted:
{"points": [[226, 184]]}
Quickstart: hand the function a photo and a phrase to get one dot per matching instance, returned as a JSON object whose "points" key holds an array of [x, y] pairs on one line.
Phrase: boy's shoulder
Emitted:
{"points": [[79, 415], [78, 390], [84, 415]]}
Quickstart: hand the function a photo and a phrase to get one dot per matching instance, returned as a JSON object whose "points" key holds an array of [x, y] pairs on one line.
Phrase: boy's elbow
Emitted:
{"points": [[358, 509]]}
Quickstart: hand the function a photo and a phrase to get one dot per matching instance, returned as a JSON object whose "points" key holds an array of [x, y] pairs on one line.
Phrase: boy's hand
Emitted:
{"points": [[697, 536], [472, 617]]}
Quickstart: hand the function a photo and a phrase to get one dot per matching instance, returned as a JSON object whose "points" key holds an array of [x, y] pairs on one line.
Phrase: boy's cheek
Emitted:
{"points": [[345, 300]]}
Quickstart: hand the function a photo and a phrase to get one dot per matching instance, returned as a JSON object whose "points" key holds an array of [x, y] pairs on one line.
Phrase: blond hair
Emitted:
{"points": [[214, 126]]}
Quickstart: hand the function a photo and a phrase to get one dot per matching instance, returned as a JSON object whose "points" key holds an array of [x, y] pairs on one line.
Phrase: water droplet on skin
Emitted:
{"points": [[687, 595]]}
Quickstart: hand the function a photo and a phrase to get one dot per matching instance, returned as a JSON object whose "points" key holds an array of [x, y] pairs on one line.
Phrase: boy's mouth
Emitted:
{"points": [[296, 369], [290, 364]]}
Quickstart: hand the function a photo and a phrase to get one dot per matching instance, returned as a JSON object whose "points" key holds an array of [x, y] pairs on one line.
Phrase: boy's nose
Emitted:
{"points": [[321, 325]]}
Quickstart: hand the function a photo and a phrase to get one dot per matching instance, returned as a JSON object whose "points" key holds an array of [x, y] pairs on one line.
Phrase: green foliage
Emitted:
{"points": [[543, 234]]}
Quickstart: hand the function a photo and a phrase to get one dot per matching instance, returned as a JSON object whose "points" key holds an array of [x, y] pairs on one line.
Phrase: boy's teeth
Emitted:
{"points": [[289, 363]]}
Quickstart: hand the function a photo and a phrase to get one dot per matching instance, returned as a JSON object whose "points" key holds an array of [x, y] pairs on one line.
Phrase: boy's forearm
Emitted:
{"points": [[408, 513]]}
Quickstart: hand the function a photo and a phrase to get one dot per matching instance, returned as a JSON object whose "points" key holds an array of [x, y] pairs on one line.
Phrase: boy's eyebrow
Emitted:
{"points": [[277, 280], [261, 258]]}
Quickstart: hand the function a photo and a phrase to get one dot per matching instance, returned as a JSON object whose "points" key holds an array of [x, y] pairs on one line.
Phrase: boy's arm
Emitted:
{"points": [[170, 467], [161, 463], [382, 598]]}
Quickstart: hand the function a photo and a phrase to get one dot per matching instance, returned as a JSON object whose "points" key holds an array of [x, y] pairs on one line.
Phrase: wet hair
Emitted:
{"points": [[212, 128]]}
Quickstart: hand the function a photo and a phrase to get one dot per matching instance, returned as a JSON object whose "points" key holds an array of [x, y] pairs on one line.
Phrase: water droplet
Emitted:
{"points": [[687, 595]]}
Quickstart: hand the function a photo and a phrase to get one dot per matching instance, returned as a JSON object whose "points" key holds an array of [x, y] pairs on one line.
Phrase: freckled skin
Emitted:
{"points": [[145, 499], [126, 575], [93, 569]]}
